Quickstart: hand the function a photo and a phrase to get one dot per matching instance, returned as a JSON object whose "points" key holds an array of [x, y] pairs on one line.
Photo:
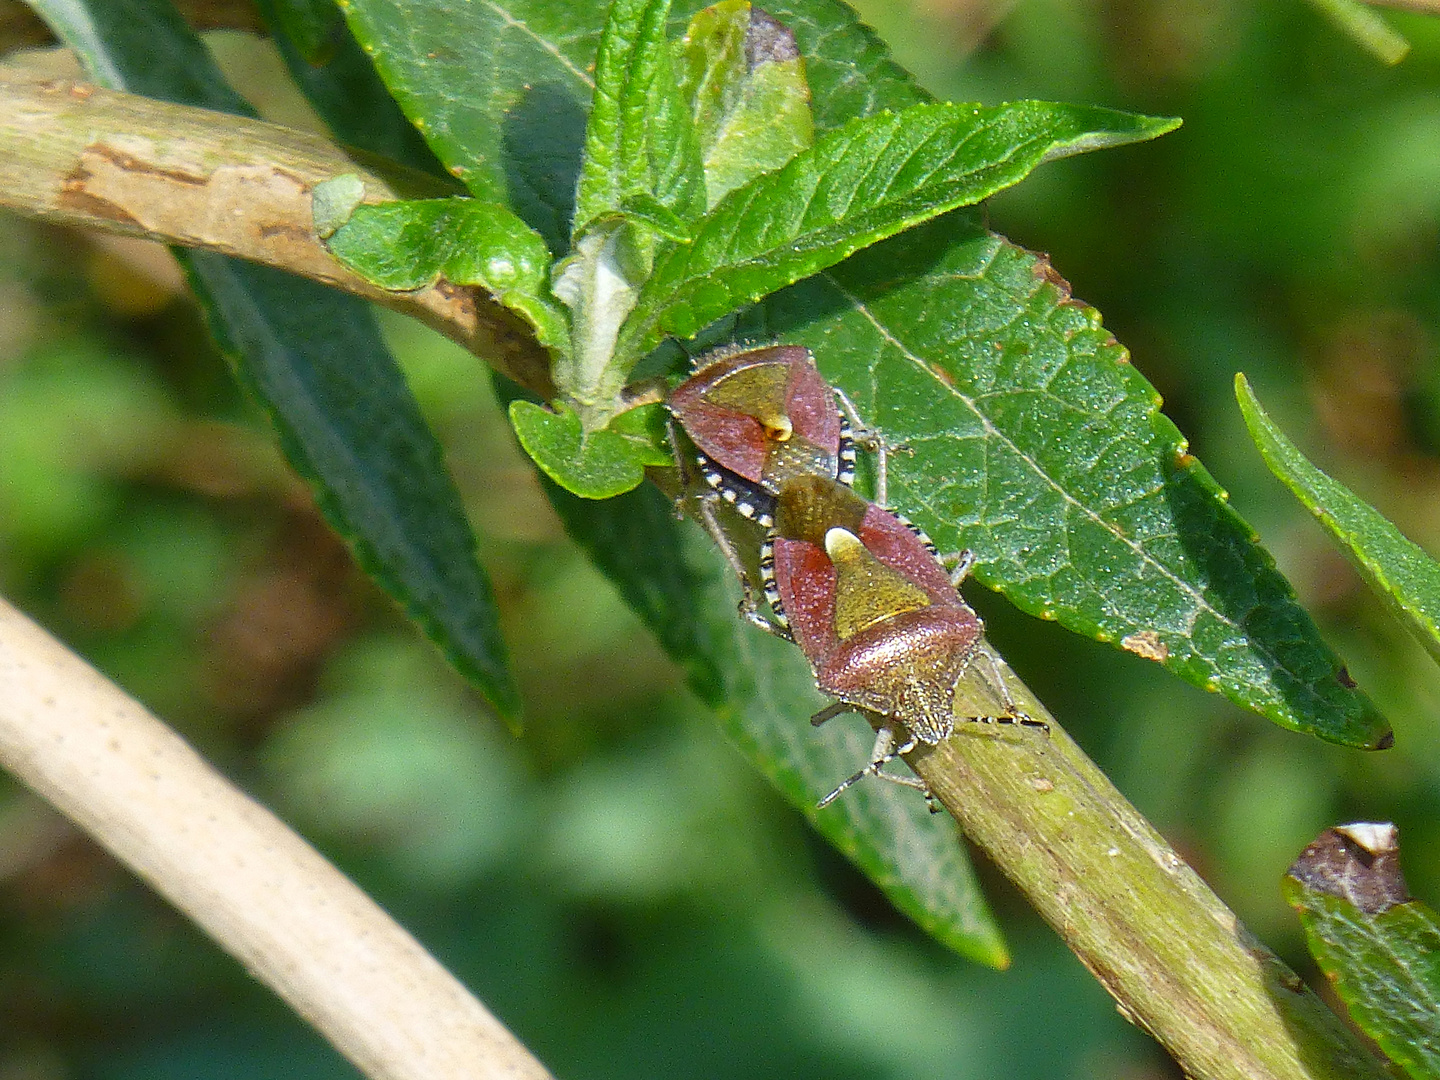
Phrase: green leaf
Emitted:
{"points": [[501, 93], [744, 77], [763, 692], [597, 465], [1397, 569], [312, 27], [656, 216], [314, 359], [1037, 445], [144, 47], [338, 80], [411, 245], [1379, 947], [349, 425], [870, 179], [639, 139]]}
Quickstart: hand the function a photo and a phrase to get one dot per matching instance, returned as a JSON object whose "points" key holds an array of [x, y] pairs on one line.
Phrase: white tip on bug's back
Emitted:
{"points": [[842, 544]]}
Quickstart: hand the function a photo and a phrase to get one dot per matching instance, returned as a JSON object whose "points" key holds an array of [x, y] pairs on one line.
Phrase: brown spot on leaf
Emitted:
{"points": [[1146, 643], [1359, 863], [1045, 270], [768, 41]]}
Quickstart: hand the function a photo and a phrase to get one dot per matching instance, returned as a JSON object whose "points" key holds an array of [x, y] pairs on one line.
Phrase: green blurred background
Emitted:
{"points": [[616, 884]]}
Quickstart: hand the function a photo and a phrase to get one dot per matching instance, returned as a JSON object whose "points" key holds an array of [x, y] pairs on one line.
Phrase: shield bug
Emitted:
{"points": [[882, 622], [759, 417]]}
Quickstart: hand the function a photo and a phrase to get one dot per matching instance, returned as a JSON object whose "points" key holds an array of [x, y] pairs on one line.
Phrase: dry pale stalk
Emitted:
{"points": [[239, 872]]}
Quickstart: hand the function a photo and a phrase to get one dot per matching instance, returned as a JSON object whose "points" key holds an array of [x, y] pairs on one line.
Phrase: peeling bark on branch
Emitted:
{"points": [[79, 155]]}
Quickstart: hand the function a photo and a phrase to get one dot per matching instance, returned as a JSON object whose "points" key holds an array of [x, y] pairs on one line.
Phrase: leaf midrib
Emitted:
{"points": [[1201, 604], [544, 42]]}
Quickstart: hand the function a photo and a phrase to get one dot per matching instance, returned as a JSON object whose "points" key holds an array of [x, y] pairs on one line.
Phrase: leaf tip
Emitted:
{"points": [[597, 465]]}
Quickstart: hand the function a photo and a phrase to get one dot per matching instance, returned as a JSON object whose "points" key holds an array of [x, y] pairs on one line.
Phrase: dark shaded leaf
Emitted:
{"points": [[349, 426], [315, 361], [338, 80], [143, 46], [499, 93], [312, 27]]}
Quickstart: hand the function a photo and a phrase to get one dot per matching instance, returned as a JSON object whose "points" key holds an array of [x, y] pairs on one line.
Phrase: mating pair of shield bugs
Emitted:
{"points": [[861, 591]]}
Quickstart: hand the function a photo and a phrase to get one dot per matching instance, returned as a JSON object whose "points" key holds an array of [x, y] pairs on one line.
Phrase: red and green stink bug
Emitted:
{"points": [[865, 596], [859, 589], [759, 417]]}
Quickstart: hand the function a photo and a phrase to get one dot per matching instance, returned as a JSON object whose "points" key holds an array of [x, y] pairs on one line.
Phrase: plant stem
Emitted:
{"points": [[80, 155], [239, 872], [1177, 961]]}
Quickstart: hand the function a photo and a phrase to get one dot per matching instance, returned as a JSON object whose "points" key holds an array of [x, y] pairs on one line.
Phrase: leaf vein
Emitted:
{"points": [[1200, 604], [545, 43]]}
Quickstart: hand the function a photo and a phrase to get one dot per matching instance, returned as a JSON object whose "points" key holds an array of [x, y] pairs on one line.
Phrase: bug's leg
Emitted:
{"points": [[834, 709], [704, 499], [959, 563], [884, 751], [748, 608], [682, 466], [872, 440], [1013, 714]]}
